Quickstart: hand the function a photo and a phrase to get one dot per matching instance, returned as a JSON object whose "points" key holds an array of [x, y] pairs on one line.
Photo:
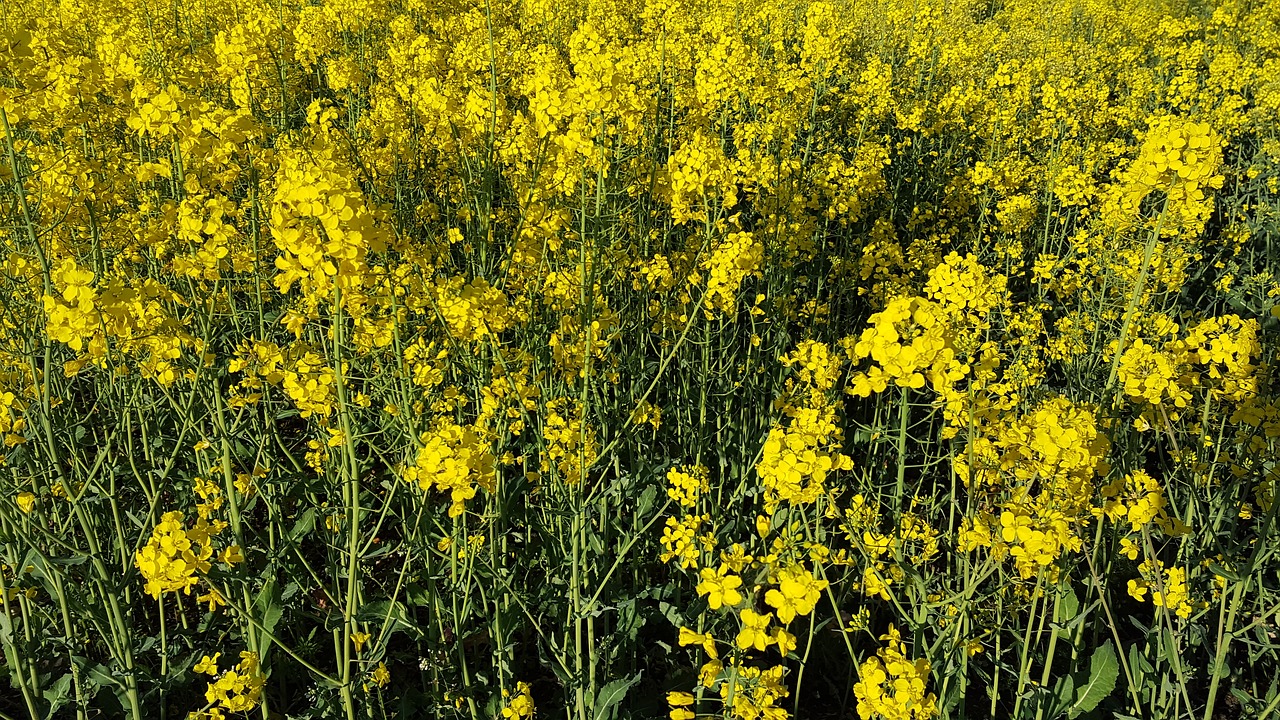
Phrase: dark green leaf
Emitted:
{"points": [[611, 695], [1103, 670]]}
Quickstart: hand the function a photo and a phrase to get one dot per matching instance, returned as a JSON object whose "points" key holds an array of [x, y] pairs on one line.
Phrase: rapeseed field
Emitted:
{"points": [[624, 359]]}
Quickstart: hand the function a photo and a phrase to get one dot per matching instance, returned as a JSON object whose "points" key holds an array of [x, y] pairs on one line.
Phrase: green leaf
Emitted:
{"points": [[58, 694], [611, 695], [390, 614], [1138, 665], [1218, 569], [304, 525], [417, 596], [1066, 694], [672, 613], [1071, 614], [1104, 668], [268, 608], [951, 702], [101, 675], [648, 499], [1069, 606]]}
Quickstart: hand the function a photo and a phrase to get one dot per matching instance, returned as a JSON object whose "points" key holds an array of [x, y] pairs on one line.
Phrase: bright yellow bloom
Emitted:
{"points": [[208, 665], [708, 643], [214, 598], [358, 639], [797, 593], [720, 587], [520, 706], [754, 632]]}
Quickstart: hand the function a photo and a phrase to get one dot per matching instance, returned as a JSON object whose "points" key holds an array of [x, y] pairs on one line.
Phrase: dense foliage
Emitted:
{"points": [[639, 358]]}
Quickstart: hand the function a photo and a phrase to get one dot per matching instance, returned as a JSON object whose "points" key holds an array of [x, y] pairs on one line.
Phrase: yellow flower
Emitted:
{"points": [[680, 699], [892, 685], [176, 554], [26, 501], [214, 598], [785, 640], [521, 706], [245, 484], [754, 632], [359, 639], [237, 690], [453, 459], [687, 484], [708, 643], [736, 558], [762, 525], [720, 587], [797, 593], [380, 677], [208, 665], [709, 672], [1137, 589], [1129, 548]]}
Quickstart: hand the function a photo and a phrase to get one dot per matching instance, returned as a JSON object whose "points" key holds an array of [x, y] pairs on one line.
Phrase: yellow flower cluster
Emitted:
{"points": [[1216, 355], [752, 692], [571, 446], [310, 384], [1152, 376], [236, 690], [321, 225], [906, 342], [1225, 348], [849, 186], [965, 289], [472, 310], [575, 345], [175, 556], [680, 540], [699, 173], [158, 114], [913, 541], [453, 459], [520, 706], [1046, 462], [205, 224], [687, 484], [757, 632], [797, 457], [26, 501], [1182, 159], [1168, 588], [796, 594], [891, 686], [1139, 499], [84, 317], [259, 361], [71, 317], [12, 422], [730, 263]]}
